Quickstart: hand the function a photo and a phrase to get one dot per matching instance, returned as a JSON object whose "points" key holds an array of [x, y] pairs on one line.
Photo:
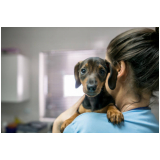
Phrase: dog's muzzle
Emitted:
{"points": [[91, 88]]}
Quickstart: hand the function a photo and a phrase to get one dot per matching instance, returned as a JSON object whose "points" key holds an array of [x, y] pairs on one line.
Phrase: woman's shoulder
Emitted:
{"points": [[139, 120], [88, 123]]}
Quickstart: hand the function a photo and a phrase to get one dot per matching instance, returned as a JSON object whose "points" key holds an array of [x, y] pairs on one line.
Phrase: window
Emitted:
{"points": [[56, 80], [69, 89]]}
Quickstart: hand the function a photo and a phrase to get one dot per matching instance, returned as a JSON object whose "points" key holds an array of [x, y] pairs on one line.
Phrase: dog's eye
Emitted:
{"points": [[83, 71], [102, 72]]}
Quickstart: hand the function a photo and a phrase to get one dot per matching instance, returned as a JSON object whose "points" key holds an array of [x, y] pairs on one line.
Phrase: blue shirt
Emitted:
{"points": [[139, 120]]}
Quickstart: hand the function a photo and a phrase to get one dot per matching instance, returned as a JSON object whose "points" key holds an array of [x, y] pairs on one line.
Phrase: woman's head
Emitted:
{"points": [[139, 49]]}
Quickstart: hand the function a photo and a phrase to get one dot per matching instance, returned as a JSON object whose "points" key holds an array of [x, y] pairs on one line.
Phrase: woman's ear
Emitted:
{"points": [[121, 69], [76, 75]]}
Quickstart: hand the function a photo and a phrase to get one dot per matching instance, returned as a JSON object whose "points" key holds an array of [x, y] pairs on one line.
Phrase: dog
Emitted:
{"points": [[92, 73]]}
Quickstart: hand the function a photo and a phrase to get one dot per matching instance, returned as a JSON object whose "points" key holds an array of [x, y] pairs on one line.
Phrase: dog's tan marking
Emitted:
{"points": [[86, 65], [83, 110], [84, 84]]}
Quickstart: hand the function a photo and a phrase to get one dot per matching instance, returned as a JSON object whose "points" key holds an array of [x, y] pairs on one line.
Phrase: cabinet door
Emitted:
{"points": [[14, 78]]}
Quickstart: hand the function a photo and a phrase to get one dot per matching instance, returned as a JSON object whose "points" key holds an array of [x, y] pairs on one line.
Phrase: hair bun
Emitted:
{"points": [[157, 30]]}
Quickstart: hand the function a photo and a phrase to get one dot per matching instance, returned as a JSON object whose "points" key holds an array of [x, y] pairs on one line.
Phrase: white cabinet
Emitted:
{"points": [[14, 78]]}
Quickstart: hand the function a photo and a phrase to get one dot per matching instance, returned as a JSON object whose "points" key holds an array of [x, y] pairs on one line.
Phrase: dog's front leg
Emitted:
{"points": [[114, 115], [68, 121], [80, 110]]}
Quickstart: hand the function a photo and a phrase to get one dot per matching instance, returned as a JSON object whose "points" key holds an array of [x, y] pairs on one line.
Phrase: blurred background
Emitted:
{"points": [[37, 82]]}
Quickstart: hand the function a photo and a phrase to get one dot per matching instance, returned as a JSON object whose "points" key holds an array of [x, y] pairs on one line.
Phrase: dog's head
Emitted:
{"points": [[92, 73]]}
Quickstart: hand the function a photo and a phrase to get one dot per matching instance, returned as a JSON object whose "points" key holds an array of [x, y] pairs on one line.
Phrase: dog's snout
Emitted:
{"points": [[91, 87], [92, 82]]}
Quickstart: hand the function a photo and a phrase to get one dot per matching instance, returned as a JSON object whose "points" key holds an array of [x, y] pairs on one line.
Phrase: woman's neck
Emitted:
{"points": [[126, 100]]}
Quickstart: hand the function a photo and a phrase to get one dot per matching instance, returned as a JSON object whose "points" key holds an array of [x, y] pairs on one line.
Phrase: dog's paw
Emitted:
{"points": [[65, 124], [115, 116]]}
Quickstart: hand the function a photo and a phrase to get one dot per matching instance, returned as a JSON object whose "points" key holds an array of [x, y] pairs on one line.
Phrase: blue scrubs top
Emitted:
{"points": [[139, 120]]}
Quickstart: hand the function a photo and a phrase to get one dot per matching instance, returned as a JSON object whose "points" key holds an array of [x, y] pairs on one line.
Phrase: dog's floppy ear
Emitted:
{"points": [[76, 74], [113, 76]]}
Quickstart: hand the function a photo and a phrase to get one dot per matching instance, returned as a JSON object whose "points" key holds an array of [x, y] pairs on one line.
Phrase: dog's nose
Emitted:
{"points": [[91, 88]]}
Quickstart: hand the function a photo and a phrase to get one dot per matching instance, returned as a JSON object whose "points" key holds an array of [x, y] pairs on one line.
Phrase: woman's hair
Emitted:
{"points": [[139, 48]]}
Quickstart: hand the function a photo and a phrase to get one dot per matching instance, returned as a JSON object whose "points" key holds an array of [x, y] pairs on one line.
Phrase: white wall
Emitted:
{"points": [[31, 41]]}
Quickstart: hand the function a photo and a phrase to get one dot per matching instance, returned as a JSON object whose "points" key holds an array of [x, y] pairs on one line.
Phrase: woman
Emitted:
{"points": [[135, 56]]}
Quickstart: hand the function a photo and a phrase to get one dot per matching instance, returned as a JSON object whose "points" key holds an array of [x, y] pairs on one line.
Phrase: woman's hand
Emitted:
{"points": [[65, 115]]}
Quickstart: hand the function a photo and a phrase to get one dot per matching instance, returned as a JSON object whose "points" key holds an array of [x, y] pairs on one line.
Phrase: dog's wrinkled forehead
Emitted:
{"points": [[92, 63]]}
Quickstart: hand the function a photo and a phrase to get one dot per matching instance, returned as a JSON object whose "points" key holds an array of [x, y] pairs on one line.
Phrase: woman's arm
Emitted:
{"points": [[65, 115]]}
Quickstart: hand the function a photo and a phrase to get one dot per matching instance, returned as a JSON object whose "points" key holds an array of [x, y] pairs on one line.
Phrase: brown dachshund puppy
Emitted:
{"points": [[92, 73]]}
